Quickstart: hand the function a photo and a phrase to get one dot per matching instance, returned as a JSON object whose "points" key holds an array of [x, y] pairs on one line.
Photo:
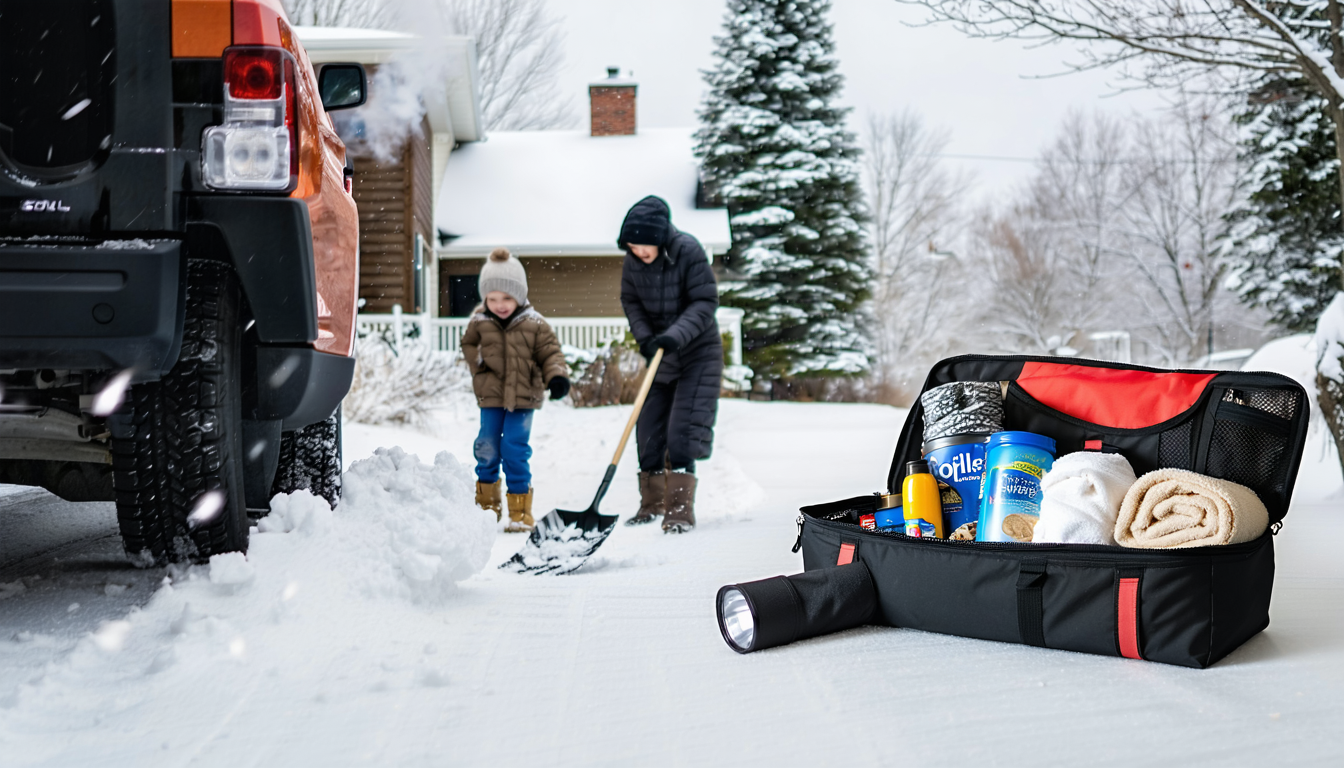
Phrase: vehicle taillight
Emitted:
{"points": [[257, 146]]}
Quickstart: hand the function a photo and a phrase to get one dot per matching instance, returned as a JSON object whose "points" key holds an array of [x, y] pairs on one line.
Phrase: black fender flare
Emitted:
{"points": [[269, 241]]}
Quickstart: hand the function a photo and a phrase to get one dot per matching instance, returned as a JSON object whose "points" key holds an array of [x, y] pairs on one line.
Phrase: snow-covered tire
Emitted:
{"points": [[310, 458], [184, 437]]}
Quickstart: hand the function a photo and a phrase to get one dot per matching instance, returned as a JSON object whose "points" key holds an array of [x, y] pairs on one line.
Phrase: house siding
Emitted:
{"points": [[395, 203], [566, 286]]}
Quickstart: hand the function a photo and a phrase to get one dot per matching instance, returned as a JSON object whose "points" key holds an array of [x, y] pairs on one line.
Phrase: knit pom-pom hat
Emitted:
{"points": [[502, 272]]}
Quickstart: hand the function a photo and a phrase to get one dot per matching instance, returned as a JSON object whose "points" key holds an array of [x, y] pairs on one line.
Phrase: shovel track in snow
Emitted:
{"points": [[310, 459], [184, 435]]}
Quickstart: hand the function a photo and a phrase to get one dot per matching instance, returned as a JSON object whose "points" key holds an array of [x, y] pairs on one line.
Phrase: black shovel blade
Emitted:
{"points": [[561, 542]]}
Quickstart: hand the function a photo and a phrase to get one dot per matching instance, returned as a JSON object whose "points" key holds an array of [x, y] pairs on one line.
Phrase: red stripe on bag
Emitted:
{"points": [[1092, 445], [1127, 607], [846, 554]]}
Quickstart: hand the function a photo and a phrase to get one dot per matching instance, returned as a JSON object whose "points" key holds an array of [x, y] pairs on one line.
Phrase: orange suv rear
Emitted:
{"points": [[178, 263]]}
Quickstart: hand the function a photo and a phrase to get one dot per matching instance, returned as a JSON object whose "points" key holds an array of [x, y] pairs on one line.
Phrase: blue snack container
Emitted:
{"points": [[958, 462], [1010, 501]]}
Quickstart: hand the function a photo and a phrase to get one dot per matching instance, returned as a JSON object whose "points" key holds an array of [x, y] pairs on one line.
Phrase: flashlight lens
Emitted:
{"points": [[737, 619]]}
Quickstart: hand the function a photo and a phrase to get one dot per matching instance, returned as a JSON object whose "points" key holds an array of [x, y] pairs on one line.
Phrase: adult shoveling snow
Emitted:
{"points": [[669, 294]]}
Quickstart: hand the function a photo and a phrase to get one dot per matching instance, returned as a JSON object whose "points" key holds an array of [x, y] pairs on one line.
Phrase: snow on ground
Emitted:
{"points": [[325, 646]]}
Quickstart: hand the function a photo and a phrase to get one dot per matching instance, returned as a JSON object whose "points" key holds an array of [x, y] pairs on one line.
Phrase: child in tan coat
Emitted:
{"points": [[514, 358]]}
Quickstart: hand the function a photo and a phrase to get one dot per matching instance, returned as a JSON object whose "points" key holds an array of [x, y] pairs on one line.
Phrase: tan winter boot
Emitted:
{"points": [[652, 498], [680, 516], [520, 513], [488, 496]]}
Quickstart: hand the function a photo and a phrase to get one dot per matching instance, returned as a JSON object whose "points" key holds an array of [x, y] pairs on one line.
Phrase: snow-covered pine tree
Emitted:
{"points": [[1284, 243], [775, 150]]}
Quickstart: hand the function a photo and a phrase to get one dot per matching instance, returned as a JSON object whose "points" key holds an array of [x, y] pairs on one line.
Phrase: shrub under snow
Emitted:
{"points": [[403, 386]]}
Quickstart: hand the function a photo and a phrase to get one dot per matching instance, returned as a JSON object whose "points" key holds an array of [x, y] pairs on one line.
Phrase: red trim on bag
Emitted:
{"points": [[1091, 445], [846, 554], [1111, 397], [1127, 618]]}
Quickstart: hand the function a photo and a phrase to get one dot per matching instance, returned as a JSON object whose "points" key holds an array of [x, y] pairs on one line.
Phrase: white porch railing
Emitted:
{"points": [[445, 333]]}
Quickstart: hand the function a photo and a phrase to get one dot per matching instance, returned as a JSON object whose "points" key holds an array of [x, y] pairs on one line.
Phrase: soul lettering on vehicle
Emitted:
{"points": [[49, 206]]}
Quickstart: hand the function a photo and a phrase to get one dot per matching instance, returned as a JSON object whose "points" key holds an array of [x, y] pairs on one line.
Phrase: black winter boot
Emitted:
{"points": [[652, 498], [680, 516]]}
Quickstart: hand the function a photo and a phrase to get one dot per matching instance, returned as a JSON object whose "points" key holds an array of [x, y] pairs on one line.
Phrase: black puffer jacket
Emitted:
{"points": [[676, 295]]}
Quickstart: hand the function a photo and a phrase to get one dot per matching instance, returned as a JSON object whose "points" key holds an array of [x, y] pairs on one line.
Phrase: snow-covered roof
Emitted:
{"points": [[452, 106], [565, 192], [366, 46]]}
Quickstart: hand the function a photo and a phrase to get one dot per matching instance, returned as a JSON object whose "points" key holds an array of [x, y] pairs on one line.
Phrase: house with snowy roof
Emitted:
{"points": [[557, 199]]}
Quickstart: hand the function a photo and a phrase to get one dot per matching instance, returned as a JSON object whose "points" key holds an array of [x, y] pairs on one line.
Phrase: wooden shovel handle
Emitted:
{"points": [[639, 405]]}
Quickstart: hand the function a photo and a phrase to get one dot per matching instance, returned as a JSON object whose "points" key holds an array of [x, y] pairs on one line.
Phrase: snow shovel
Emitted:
{"points": [[563, 540]]}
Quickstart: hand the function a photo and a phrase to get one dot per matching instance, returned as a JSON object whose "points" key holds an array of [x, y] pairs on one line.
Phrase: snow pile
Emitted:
{"points": [[314, 582], [423, 519], [1330, 339]]}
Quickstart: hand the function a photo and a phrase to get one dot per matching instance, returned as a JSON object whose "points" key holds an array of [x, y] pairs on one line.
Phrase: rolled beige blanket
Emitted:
{"points": [[1176, 508]]}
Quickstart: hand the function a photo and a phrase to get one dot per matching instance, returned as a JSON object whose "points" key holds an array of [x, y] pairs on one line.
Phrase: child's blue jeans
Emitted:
{"points": [[504, 436]]}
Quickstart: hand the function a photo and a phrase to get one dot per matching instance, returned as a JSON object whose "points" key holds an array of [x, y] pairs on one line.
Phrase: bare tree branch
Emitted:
{"points": [[914, 205], [367, 14], [1171, 40], [519, 49]]}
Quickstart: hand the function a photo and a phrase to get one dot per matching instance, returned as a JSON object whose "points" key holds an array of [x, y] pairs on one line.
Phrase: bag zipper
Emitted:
{"points": [[1089, 363], [991, 546], [797, 545]]}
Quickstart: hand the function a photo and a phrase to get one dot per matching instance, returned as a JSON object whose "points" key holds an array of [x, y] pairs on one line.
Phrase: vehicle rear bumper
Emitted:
{"points": [[300, 386], [107, 307]]}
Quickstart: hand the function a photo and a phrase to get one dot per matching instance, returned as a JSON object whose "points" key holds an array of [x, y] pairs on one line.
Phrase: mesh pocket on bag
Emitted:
{"points": [[1250, 442], [1278, 402], [1173, 448]]}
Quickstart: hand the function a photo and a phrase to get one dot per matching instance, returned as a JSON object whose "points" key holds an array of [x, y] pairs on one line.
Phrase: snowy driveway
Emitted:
{"points": [[300, 658]]}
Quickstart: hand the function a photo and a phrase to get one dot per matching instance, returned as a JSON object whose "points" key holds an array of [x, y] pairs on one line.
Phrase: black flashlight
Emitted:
{"points": [[763, 614]]}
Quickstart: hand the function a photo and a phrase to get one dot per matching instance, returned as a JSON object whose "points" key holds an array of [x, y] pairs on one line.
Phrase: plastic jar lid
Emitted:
{"points": [[951, 440], [1021, 438]]}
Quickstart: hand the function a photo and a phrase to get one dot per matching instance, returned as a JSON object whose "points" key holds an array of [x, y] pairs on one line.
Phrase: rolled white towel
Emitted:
{"points": [[1081, 497]]}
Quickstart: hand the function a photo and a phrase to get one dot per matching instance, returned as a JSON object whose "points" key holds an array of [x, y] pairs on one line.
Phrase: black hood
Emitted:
{"points": [[648, 222]]}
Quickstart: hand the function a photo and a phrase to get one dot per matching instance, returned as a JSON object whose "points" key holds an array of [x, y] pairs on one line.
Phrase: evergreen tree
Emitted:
{"points": [[774, 149], [1284, 243]]}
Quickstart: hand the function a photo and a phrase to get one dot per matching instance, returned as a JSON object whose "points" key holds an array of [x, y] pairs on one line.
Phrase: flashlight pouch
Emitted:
{"points": [[1189, 607]]}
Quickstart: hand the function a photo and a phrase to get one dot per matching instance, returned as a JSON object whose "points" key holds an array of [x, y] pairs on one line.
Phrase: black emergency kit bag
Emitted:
{"points": [[1189, 607]]}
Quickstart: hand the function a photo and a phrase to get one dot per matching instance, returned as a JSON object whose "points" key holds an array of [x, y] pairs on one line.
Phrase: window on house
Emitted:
{"points": [[463, 294]]}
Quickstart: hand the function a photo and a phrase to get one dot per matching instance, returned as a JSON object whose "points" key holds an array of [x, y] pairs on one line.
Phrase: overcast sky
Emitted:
{"points": [[987, 94]]}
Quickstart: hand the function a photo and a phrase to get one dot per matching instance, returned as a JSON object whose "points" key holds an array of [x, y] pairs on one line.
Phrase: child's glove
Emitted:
{"points": [[559, 387]]}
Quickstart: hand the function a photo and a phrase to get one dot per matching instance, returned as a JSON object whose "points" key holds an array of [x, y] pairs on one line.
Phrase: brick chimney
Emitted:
{"points": [[613, 105]]}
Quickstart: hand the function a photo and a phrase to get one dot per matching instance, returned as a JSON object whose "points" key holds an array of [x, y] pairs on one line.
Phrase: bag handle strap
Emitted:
{"points": [[1031, 603]]}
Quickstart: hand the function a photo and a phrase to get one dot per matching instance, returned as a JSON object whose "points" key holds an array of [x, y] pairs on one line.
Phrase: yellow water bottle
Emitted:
{"points": [[922, 503]]}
